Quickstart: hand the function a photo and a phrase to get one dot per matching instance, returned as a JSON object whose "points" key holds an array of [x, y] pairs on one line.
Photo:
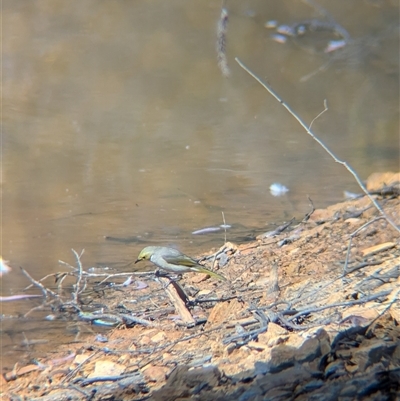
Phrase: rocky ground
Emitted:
{"points": [[309, 312]]}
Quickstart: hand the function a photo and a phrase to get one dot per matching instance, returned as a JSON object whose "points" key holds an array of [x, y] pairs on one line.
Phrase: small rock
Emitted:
{"points": [[80, 358], [335, 369], [167, 356], [158, 337], [395, 313], [278, 381], [224, 311], [376, 181], [257, 346], [204, 292], [104, 367], [282, 357], [372, 352], [349, 390], [155, 373], [274, 335], [312, 385], [182, 382], [351, 368], [252, 394], [145, 340], [3, 383], [261, 368], [263, 282]]}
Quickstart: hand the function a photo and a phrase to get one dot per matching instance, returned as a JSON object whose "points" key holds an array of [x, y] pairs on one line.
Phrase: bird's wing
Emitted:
{"points": [[181, 260]]}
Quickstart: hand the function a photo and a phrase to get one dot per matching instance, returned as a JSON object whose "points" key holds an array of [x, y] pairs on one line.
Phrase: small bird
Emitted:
{"points": [[172, 260]]}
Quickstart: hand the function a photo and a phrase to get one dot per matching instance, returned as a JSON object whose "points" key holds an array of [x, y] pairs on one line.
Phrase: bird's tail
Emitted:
{"points": [[209, 272]]}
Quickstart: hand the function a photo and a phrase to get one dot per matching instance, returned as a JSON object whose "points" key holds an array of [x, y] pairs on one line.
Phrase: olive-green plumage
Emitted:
{"points": [[171, 260]]}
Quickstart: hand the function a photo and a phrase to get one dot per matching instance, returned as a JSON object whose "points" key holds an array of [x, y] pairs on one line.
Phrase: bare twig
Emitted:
{"points": [[278, 230], [77, 286], [71, 374], [309, 214], [45, 291], [320, 114], [223, 218], [309, 132], [338, 304], [115, 319], [394, 298], [18, 297], [352, 235]]}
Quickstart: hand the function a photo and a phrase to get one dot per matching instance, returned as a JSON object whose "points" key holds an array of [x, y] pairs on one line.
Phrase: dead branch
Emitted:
{"points": [[309, 132]]}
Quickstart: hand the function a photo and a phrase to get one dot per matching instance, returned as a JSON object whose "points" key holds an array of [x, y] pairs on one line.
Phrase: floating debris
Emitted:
{"points": [[285, 30], [313, 26], [272, 24], [206, 230], [334, 45], [350, 195], [278, 189], [301, 30], [277, 37]]}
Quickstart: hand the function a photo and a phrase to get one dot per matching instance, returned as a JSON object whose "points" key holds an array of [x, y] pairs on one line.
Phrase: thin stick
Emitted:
{"points": [[223, 218], [309, 132], [352, 235], [80, 271], [339, 304], [395, 298], [45, 291], [320, 114]]}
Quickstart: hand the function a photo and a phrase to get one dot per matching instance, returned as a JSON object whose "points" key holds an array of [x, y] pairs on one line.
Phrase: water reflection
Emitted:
{"points": [[117, 122]]}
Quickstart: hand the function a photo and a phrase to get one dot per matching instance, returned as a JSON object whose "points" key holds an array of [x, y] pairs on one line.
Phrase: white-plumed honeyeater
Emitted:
{"points": [[171, 260]]}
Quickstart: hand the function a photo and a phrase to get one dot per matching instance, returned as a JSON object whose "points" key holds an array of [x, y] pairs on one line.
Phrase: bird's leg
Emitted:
{"points": [[176, 278], [158, 273]]}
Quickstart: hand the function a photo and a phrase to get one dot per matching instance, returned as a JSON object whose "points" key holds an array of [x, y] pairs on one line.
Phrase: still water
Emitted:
{"points": [[117, 122]]}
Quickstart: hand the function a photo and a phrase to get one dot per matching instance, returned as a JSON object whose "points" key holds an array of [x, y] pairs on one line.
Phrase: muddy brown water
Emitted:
{"points": [[117, 122]]}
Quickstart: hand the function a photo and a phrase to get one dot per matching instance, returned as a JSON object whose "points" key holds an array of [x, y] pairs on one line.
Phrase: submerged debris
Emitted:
{"points": [[339, 35]]}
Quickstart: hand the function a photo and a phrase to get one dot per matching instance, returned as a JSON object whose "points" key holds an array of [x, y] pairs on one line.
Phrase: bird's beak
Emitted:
{"points": [[137, 260]]}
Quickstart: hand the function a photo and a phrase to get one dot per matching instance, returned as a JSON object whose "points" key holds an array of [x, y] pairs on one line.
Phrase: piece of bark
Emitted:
{"points": [[178, 298]]}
